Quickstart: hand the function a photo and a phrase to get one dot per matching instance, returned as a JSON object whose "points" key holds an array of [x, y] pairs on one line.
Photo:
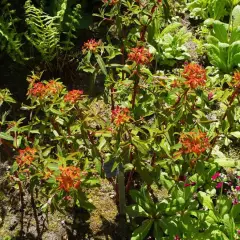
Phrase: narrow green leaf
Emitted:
{"points": [[101, 63]]}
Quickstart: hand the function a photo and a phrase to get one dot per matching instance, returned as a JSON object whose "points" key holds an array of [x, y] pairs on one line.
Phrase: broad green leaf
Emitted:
{"points": [[224, 204], [235, 211], [141, 232], [220, 31], [141, 200], [236, 16], [235, 134], [229, 225], [205, 200], [136, 211]]}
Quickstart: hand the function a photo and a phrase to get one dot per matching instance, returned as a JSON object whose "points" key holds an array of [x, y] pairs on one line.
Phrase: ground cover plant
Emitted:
{"points": [[134, 102]]}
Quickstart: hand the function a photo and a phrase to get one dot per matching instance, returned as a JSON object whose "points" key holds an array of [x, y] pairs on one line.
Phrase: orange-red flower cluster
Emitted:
{"points": [[41, 90], [90, 45], [37, 90], [194, 142], [73, 96], [236, 79], [195, 75], [140, 55], [69, 178], [110, 2], [120, 115], [26, 156]]}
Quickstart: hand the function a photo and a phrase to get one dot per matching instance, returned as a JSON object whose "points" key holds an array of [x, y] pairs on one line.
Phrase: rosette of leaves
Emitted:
{"points": [[205, 9], [223, 43], [169, 44]]}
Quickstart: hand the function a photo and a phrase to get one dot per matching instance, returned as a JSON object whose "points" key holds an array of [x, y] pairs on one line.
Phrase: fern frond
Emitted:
{"points": [[43, 31], [72, 24], [11, 40]]}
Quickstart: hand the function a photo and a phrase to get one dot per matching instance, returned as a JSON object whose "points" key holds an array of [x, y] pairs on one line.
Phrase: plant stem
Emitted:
{"points": [[22, 203], [35, 214], [122, 200]]}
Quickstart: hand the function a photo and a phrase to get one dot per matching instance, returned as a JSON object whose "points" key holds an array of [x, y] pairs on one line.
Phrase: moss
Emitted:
{"points": [[102, 219]]}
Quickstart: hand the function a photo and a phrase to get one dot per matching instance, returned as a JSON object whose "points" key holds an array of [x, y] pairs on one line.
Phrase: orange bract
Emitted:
{"points": [[53, 87], [90, 45], [73, 96], [110, 2], [195, 74], [41, 90], [140, 55], [194, 142], [120, 115], [26, 156], [69, 178]]}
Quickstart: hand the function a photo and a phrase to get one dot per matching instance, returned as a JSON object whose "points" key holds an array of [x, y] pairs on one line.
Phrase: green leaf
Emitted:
{"points": [[141, 232], [142, 146], [235, 211], [235, 134], [229, 225], [236, 16], [142, 200], [224, 204], [6, 136], [101, 64], [136, 211], [205, 200]]}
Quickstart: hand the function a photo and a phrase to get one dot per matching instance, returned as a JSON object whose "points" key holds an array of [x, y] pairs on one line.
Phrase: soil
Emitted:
{"points": [[77, 224]]}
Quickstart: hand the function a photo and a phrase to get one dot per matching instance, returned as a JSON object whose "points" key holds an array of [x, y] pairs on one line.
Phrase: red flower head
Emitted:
{"points": [[110, 2], [194, 142], [140, 55], [236, 79], [238, 188], [69, 178], [73, 96], [90, 45], [195, 75], [26, 156], [120, 115], [37, 90]]}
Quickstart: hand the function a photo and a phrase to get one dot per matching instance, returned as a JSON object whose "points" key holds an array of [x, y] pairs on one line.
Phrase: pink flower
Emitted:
{"points": [[238, 232], [238, 188], [216, 175], [219, 185], [235, 201]]}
